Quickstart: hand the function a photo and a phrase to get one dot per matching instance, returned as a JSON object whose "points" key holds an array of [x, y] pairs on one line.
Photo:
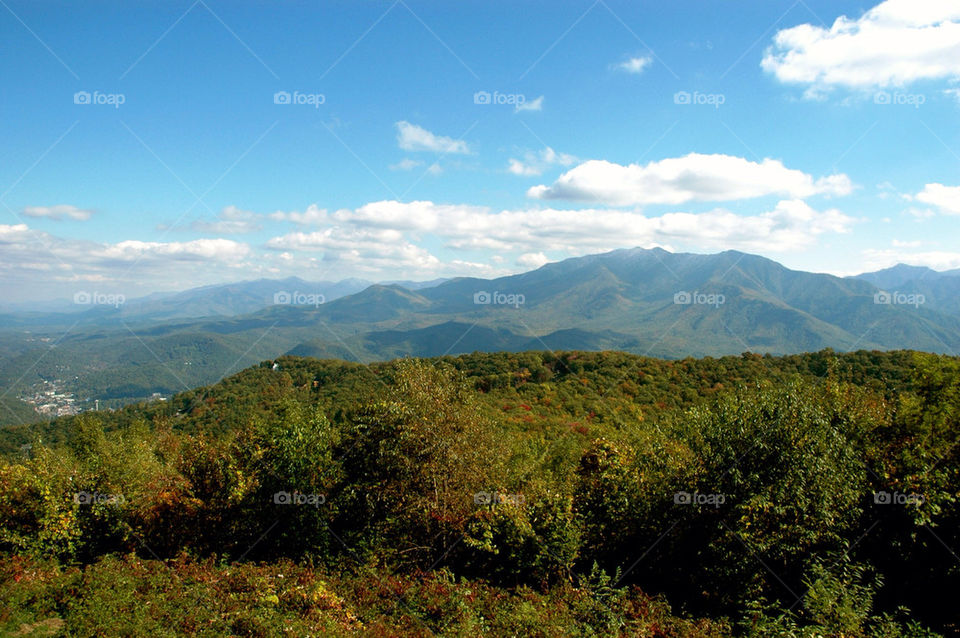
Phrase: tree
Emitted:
{"points": [[414, 461]]}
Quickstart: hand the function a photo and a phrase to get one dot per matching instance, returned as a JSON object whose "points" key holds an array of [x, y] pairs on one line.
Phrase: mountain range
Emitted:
{"points": [[645, 301]]}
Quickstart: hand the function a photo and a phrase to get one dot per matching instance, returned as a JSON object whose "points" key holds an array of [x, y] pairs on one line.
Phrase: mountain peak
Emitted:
{"points": [[899, 275]]}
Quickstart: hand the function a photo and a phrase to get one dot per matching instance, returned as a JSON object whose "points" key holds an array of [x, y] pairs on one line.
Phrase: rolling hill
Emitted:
{"points": [[644, 301]]}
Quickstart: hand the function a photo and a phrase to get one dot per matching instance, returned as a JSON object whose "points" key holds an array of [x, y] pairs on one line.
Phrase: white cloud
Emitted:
{"points": [[635, 65], [945, 198], [409, 216], [411, 137], [406, 164], [532, 260], [58, 212], [224, 227], [196, 250], [386, 240], [313, 216], [875, 259], [38, 264], [535, 163], [791, 225], [517, 167], [893, 44], [17, 232], [693, 177], [230, 221], [532, 105], [361, 248]]}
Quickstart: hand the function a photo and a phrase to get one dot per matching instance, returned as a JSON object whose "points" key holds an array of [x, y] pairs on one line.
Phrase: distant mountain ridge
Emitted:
{"points": [[644, 301], [940, 289], [217, 300]]}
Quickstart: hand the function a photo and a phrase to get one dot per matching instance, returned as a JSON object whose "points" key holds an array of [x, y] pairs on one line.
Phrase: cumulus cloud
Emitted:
{"points": [[532, 105], [386, 239], [411, 137], [35, 263], [945, 198], [532, 260], [536, 163], [196, 250], [58, 212], [361, 248], [693, 177], [407, 216], [12, 233], [635, 65], [791, 225], [895, 43]]}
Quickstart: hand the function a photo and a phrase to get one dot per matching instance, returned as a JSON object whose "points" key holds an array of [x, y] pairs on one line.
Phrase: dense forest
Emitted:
{"points": [[526, 494]]}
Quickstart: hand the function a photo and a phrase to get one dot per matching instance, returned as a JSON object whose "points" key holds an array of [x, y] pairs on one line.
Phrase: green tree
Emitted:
{"points": [[414, 461]]}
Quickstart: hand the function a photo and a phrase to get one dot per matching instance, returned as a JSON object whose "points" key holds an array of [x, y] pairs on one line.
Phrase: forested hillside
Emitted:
{"points": [[534, 493], [632, 300]]}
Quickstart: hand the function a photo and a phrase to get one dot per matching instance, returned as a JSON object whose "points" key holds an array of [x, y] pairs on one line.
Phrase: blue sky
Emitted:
{"points": [[149, 146]]}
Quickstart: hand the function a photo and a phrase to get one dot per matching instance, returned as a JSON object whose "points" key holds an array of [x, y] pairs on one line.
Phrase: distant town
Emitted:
{"points": [[51, 399]]}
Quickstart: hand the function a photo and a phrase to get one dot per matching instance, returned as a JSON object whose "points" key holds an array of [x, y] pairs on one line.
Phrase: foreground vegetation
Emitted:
{"points": [[502, 494]]}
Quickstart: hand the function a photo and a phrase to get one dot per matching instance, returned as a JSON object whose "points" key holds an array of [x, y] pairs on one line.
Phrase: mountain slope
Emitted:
{"points": [[940, 290], [652, 302]]}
